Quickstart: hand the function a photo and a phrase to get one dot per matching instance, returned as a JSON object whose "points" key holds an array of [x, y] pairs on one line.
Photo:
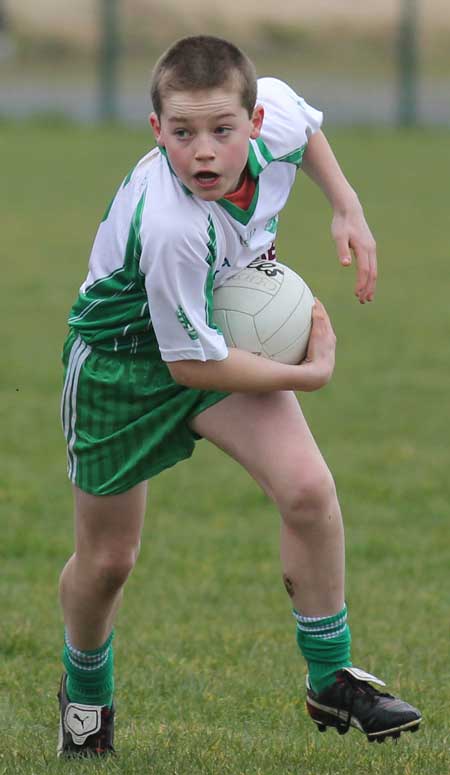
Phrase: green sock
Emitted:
{"points": [[90, 674], [325, 643]]}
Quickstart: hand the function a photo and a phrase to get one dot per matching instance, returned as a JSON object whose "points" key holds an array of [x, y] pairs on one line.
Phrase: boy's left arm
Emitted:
{"points": [[349, 227]]}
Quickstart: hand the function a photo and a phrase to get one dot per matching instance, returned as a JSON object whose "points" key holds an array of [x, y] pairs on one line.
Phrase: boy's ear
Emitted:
{"points": [[257, 121], [156, 126]]}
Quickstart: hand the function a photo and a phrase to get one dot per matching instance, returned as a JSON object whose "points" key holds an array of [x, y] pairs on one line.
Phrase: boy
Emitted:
{"points": [[147, 373]]}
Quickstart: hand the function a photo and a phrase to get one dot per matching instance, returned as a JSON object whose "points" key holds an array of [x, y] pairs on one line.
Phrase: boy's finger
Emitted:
{"points": [[344, 252], [318, 308], [366, 277], [362, 275], [373, 275], [319, 313]]}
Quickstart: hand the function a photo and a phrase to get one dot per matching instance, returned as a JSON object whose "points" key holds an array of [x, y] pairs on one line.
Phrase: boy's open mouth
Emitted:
{"points": [[206, 178]]}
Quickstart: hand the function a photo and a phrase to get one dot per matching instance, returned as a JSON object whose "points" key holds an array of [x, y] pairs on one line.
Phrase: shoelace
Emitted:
{"points": [[349, 682]]}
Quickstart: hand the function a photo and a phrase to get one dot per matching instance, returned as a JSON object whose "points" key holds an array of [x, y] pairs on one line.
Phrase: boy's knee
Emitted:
{"points": [[308, 497], [111, 568]]}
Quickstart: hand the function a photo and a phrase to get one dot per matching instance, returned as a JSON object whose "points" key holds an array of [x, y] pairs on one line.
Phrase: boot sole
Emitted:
{"points": [[324, 716]]}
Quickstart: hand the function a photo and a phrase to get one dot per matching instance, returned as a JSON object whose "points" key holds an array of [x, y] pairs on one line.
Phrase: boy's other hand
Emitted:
{"points": [[321, 352], [351, 233]]}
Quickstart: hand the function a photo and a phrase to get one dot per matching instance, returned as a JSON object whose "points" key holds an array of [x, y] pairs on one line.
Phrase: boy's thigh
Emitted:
{"points": [[268, 434], [109, 523]]}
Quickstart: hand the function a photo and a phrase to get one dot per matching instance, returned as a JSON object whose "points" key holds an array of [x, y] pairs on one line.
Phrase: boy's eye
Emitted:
{"points": [[181, 133], [223, 130]]}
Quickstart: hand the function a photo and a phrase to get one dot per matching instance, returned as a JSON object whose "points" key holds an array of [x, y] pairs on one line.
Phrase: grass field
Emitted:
{"points": [[209, 679]]}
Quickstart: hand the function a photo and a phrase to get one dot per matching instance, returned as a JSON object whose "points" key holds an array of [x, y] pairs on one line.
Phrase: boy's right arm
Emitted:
{"points": [[244, 372]]}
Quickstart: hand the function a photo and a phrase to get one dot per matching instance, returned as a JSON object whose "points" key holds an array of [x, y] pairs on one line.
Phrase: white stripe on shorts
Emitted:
{"points": [[65, 405], [80, 351]]}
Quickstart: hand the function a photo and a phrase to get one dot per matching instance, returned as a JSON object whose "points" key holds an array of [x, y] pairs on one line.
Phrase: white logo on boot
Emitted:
{"points": [[82, 721]]}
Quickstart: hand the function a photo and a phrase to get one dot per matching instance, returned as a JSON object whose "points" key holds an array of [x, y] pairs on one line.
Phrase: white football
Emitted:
{"points": [[266, 309]]}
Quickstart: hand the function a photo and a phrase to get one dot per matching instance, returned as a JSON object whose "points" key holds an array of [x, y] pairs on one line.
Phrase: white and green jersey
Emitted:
{"points": [[160, 252]]}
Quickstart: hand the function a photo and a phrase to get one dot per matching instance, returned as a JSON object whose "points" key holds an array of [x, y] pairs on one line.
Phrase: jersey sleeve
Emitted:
{"points": [[178, 260], [289, 122]]}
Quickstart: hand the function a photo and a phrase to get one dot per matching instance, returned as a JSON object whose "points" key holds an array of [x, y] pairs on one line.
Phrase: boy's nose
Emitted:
{"points": [[204, 150]]}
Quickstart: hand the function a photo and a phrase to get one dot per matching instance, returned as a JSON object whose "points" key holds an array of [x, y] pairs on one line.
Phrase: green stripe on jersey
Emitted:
{"points": [[259, 157], [211, 259], [295, 157], [128, 177], [267, 155], [122, 185], [186, 323]]}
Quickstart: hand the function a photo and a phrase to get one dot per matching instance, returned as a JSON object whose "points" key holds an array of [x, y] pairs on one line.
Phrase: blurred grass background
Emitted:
{"points": [[209, 679]]}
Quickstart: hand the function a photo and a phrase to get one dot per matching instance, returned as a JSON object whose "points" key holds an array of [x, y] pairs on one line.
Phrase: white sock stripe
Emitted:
{"points": [[83, 656], [80, 661], [316, 618], [325, 629], [87, 668], [324, 635], [301, 622], [333, 634]]}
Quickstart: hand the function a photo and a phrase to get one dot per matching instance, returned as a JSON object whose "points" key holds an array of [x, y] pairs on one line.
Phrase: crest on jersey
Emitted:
{"points": [[272, 225]]}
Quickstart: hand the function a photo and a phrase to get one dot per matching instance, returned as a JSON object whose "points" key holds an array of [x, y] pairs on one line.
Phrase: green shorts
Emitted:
{"points": [[124, 418]]}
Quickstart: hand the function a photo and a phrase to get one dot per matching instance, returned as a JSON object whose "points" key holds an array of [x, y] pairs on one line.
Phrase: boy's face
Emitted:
{"points": [[206, 134]]}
